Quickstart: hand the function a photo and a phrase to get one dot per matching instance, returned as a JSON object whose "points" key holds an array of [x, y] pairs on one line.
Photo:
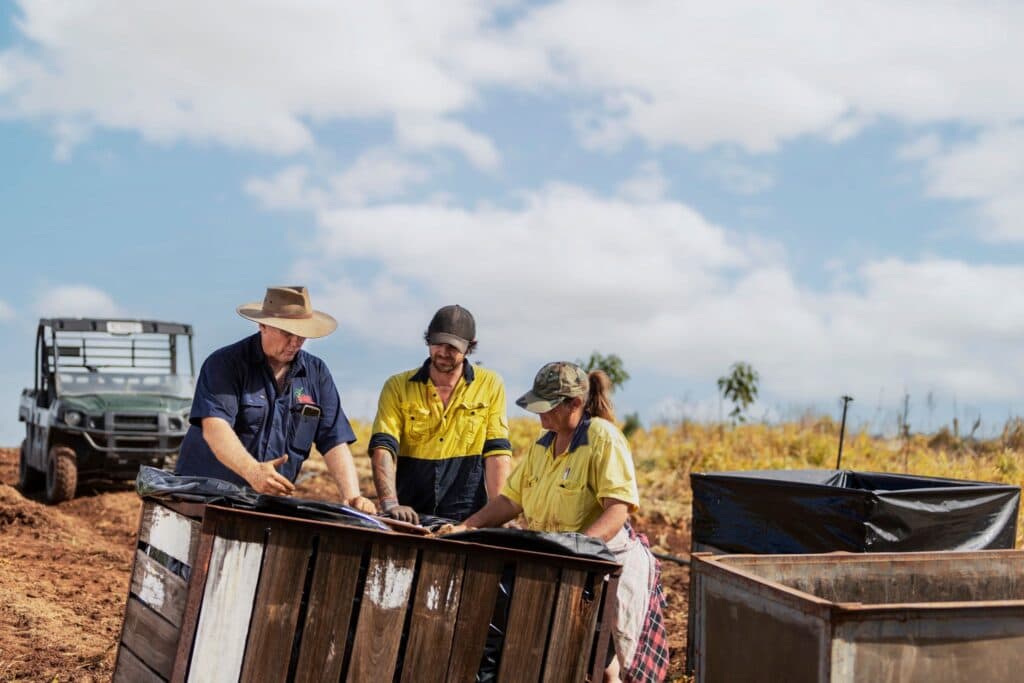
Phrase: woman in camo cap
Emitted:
{"points": [[578, 476]]}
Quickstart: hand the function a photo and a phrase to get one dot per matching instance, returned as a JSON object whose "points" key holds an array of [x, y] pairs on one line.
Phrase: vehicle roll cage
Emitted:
{"points": [[88, 344]]}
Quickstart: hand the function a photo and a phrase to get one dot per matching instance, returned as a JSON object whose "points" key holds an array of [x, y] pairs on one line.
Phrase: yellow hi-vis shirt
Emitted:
{"points": [[440, 449], [563, 491]]}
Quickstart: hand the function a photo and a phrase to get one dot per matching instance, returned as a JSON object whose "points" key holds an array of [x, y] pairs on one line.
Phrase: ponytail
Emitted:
{"points": [[599, 399]]}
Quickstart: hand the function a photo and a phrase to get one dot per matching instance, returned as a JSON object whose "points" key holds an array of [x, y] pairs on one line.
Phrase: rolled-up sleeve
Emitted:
{"points": [[387, 425]]}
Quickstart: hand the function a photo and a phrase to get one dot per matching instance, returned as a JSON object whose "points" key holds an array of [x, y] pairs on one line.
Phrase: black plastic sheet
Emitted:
{"points": [[819, 511], [162, 485]]}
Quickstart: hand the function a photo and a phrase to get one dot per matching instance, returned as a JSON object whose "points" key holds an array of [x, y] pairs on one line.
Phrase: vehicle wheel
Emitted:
{"points": [[61, 474], [29, 478]]}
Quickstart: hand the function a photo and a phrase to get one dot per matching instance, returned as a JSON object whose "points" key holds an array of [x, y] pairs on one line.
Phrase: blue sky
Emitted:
{"points": [[832, 194]]}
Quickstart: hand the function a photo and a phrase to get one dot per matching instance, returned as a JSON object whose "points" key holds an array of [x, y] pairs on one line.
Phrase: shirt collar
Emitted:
{"points": [[423, 374], [579, 435], [297, 368]]}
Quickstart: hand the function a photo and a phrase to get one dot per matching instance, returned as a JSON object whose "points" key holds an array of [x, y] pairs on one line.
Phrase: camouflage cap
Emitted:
{"points": [[554, 383]]}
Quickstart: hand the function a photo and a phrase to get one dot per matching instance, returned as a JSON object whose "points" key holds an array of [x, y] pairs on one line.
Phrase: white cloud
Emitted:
{"points": [[376, 174], [988, 170], [429, 132], [191, 71], [287, 189], [647, 185], [6, 311], [566, 272], [744, 73], [76, 301], [662, 71], [739, 177]]}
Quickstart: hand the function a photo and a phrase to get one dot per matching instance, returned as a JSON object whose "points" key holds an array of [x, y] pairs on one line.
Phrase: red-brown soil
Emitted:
{"points": [[64, 575]]}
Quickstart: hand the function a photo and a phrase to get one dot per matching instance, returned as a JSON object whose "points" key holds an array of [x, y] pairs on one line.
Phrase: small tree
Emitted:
{"points": [[611, 364], [739, 387]]}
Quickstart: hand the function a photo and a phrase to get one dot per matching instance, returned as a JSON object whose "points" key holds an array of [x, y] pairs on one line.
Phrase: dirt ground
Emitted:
{"points": [[64, 575]]}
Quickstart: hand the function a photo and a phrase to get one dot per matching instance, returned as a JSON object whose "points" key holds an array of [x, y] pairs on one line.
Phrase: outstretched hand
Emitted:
{"points": [[263, 477], [362, 504], [446, 529]]}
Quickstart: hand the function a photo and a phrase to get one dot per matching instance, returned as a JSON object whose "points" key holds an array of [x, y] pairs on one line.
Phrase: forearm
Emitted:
{"points": [[496, 470], [498, 511], [226, 447], [610, 521], [383, 463], [343, 470]]}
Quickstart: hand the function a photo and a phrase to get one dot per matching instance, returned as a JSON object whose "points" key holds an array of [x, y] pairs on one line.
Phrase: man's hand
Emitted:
{"points": [[403, 513], [362, 504], [263, 477]]}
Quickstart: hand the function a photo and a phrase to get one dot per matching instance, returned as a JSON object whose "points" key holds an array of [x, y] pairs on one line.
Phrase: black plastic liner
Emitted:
{"points": [[820, 511], [568, 543], [162, 485]]}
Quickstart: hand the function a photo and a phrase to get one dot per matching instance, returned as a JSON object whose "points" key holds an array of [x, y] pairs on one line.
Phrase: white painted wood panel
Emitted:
{"points": [[226, 611], [166, 530]]}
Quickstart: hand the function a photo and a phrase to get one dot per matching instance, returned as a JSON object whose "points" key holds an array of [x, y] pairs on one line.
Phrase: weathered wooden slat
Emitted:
{"points": [[194, 599], [152, 638], [382, 612], [480, 585], [609, 609], [533, 595], [276, 613], [130, 669], [434, 611], [227, 602], [329, 610], [572, 631], [158, 588], [170, 532]]}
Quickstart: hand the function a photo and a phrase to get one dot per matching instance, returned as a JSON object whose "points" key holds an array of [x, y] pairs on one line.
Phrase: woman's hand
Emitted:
{"points": [[446, 529]]}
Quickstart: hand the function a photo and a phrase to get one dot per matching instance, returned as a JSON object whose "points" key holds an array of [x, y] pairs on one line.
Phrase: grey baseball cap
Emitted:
{"points": [[554, 383], [452, 325]]}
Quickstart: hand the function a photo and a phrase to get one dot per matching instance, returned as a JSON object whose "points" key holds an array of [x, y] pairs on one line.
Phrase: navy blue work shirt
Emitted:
{"points": [[236, 384]]}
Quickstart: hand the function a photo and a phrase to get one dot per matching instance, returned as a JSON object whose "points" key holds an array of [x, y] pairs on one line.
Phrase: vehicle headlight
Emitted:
{"points": [[73, 418]]}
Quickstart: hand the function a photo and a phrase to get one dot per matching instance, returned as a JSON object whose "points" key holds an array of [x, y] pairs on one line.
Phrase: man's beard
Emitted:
{"points": [[443, 364]]}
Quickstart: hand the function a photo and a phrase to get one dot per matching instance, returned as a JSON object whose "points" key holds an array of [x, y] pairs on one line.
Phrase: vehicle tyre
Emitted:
{"points": [[61, 474], [29, 478]]}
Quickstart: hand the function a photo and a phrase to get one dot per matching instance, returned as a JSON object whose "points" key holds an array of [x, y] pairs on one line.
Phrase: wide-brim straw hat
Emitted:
{"points": [[289, 309]]}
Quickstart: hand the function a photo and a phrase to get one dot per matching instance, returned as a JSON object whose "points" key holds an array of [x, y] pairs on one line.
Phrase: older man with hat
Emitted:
{"points": [[262, 402], [440, 444]]}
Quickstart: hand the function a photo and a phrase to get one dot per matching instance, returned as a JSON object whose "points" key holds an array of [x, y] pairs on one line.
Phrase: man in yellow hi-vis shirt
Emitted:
{"points": [[440, 441]]}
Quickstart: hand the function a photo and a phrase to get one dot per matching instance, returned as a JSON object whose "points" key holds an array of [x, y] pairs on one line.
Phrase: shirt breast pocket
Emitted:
{"points": [[416, 423], [573, 502], [252, 411], [305, 419], [471, 425]]}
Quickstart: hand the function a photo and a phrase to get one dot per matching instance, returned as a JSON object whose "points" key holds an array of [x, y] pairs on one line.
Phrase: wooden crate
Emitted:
{"points": [[274, 598]]}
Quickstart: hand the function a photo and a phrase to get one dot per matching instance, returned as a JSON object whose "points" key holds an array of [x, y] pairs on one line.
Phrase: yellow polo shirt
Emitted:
{"points": [[440, 449], [563, 492]]}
